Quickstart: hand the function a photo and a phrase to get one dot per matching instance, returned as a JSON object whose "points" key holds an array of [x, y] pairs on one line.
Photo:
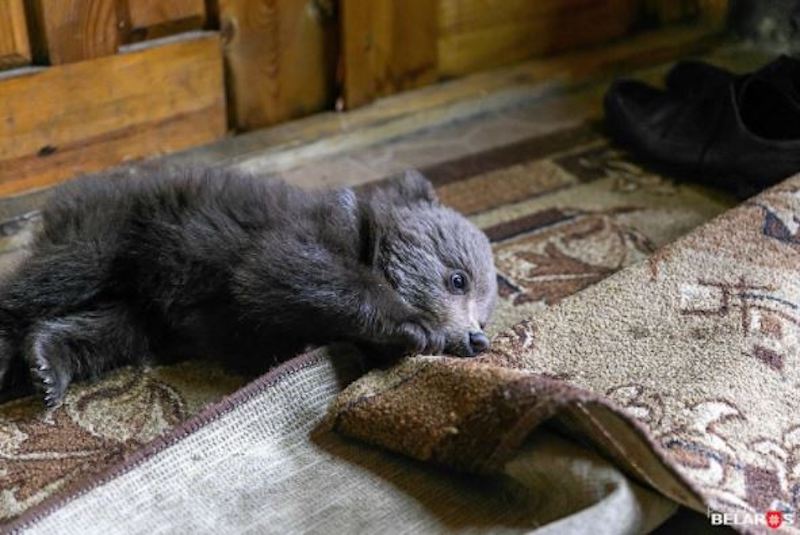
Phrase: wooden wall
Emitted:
{"points": [[480, 34], [86, 84], [391, 45]]}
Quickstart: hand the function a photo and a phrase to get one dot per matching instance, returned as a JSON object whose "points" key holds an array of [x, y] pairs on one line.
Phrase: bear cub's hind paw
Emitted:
{"points": [[49, 375]]}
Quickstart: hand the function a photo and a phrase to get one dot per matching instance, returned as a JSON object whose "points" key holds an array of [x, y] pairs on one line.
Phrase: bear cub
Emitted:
{"points": [[210, 263]]}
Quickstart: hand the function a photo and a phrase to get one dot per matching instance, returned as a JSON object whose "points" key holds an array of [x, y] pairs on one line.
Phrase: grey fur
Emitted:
{"points": [[224, 266]]}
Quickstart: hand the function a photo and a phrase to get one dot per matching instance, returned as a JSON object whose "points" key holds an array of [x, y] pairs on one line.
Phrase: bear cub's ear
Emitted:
{"points": [[408, 189]]}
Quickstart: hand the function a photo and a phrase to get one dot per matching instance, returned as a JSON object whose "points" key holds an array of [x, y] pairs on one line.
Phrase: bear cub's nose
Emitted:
{"points": [[478, 342]]}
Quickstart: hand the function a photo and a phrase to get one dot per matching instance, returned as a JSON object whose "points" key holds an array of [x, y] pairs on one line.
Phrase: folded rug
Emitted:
{"points": [[683, 369]]}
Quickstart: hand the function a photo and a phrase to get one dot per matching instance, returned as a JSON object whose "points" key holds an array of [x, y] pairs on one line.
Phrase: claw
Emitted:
{"points": [[47, 386], [50, 400]]}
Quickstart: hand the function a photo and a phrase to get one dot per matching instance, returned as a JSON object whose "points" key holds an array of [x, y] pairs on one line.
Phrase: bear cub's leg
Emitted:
{"points": [[80, 346]]}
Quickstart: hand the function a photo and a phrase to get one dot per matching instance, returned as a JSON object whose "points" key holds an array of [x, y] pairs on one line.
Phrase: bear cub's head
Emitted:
{"points": [[437, 261]]}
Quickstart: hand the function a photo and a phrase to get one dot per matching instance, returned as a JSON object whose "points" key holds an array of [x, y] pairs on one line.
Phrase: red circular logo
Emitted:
{"points": [[774, 519]]}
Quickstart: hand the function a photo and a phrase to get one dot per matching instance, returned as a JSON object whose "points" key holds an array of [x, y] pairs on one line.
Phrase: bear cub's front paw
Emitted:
{"points": [[416, 337]]}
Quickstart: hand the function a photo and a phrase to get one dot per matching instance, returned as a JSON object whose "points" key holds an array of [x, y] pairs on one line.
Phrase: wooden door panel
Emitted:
{"points": [[387, 46], [66, 31], [482, 34], [280, 57], [14, 47], [149, 19]]}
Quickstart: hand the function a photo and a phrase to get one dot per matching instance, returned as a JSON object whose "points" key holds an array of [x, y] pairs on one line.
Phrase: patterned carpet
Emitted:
{"points": [[680, 368], [563, 209]]}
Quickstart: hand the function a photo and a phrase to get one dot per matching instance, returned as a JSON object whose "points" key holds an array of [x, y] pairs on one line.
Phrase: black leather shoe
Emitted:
{"points": [[693, 78], [743, 135]]}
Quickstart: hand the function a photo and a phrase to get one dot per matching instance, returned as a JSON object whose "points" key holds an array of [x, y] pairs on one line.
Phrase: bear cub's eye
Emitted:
{"points": [[458, 282]]}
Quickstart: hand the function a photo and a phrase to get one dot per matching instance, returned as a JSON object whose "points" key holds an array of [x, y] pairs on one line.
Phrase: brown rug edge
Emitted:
{"points": [[207, 415], [587, 415]]}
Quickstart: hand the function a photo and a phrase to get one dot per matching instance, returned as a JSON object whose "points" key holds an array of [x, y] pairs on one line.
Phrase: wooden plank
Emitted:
{"points": [[280, 57], [481, 34], [14, 47], [150, 19], [462, 16], [65, 31], [387, 46], [82, 117], [714, 13], [660, 12]]}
